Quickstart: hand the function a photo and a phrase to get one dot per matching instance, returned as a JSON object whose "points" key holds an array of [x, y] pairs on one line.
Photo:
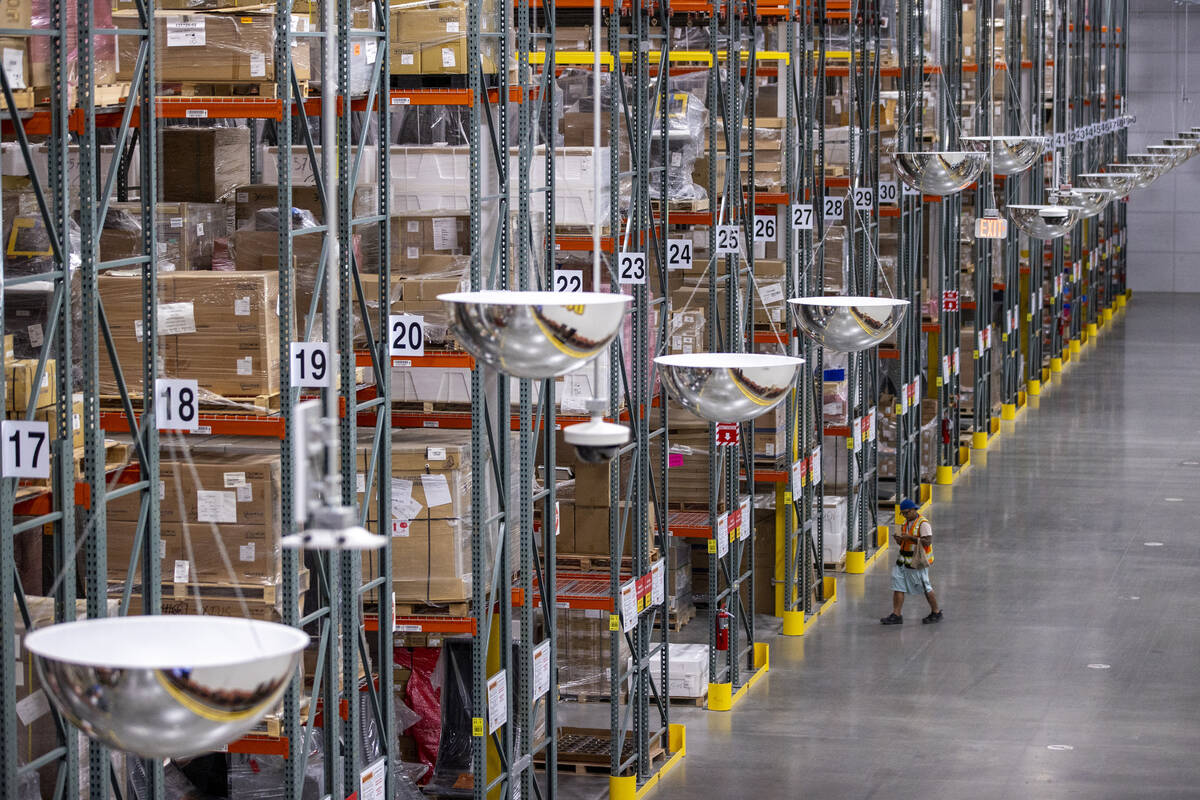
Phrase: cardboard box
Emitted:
{"points": [[49, 415], [404, 58], [250, 199], [200, 46], [15, 53], [185, 233], [431, 562], [21, 391], [219, 328], [205, 164], [418, 235]]}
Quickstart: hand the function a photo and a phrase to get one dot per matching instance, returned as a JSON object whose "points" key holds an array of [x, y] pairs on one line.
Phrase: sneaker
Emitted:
{"points": [[932, 618], [892, 619]]}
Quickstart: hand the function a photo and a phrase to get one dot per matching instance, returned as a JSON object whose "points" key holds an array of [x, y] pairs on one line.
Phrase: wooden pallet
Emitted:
{"points": [[251, 592], [257, 405], [682, 206], [836, 566], [587, 751], [586, 562], [591, 697], [419, 609], [116, 455], [676, 619], [24, 99], [258, 89], [692, 702]]}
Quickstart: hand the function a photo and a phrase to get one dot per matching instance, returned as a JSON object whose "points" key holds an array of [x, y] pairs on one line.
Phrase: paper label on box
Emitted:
{"points": [[412, 253], [541, 669], [445, 234], [435, 453], [176, 222], [35, 334], [448, 57], [33, 707], [14, 67], [246, 552], [413, 226], [245, 366], [181, 571], [497, 689], [403, 505], [186, 31], [216, 506], [771, 293], [241, 307], [233, 479], [360, 483], [406, 59], [162, 549], [245, 493], [175, 318], [437, 490], [452, 27], [372, 52], [400, 528], [243, 197]]}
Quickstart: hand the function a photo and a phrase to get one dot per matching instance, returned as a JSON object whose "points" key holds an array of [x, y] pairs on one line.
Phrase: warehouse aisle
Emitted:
{"points": [[1044, 572]]}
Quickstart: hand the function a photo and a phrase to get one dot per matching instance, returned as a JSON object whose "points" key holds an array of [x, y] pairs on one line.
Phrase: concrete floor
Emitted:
{"points": [[1067, 664]]}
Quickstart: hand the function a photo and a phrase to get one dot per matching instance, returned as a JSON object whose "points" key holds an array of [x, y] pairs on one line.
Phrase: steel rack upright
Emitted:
{"points": [[1038, 321], [910, 258], [985, 69], [947, 231]]}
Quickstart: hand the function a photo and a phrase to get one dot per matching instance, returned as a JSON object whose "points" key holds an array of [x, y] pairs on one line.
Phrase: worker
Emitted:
{"points": [[910, 573]]}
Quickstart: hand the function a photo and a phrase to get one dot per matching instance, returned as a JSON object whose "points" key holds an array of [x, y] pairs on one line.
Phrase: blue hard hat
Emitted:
{"points": [[907, 505]]}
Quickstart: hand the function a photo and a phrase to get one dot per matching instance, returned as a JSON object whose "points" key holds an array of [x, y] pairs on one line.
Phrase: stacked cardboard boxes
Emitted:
{"points": [[219, 328], [185, 234], [431, 39]]}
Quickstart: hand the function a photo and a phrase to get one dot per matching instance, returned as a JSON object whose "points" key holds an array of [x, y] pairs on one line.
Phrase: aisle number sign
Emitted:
{"points": [[679, 254], [176, 404], [26, 449], [835, 208], [407, 335], [568, 280], [764, 228], [802, 217], [889, 193], [631, 268], [729, 240]]}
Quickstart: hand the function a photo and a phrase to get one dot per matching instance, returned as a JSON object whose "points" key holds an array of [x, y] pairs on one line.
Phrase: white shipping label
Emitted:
{"points": [[771, 293], [412, 253], [452, 27], [658, 583], [722, 535], [234, 479], [246, 552], [541, 669], [360, 482], [445, 233], [372, 51], [181, 572], [497, 690], [176, 222], [33, 707], [448, 57], [629, 612], [245, 493], [258, 65], [406, 59], [372, 781], [186, 31], [241, 307], [216, 506], [245, 366], [176, 318], [14, 67], [435, 453], [437, 490]]}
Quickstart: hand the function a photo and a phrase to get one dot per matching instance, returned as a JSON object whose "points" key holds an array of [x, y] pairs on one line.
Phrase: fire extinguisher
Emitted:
{"points": [[723, 618], [945, 431]]}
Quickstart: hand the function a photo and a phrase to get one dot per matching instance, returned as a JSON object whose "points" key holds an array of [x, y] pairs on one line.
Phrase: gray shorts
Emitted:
{"points": [[910, 581]]}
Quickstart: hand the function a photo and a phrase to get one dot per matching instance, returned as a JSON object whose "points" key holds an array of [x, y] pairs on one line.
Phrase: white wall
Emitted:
{"points": [[1164, 220]]}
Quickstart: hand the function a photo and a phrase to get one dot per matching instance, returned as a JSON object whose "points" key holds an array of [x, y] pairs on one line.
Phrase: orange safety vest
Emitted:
{"points": [[905, 559]]}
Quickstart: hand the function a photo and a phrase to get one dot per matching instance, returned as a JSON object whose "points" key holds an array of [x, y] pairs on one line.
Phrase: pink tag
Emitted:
{"points": [[674, 459]]}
